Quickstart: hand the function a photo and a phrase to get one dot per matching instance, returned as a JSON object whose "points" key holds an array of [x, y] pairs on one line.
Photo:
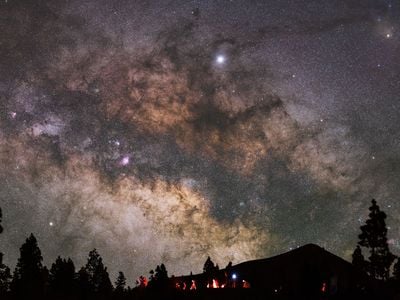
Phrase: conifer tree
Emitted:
{"points": [[159, 277], [1, 217], [29, 275], [374, 238], [84, 287], [62, 278], [396, 270], [98, 276], [120, 286], [358, 259], [121, 282], [5, 274]]}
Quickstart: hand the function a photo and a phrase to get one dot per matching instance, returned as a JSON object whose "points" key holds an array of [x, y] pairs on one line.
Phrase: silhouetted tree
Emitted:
{"points": [[396, 270], [29, 276], [142, 282], [5, 278], [98, 275], [159, 277], [62, 278], [121, 282], [120, 285], [84, 287], [5, 274], [1, 218], [358, 259], [374, 237]]}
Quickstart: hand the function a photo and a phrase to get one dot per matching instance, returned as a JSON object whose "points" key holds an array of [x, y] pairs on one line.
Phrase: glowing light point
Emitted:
{"points": [[220, 59], [51, 224], [388, 35], [234, 276], [125, 161]]}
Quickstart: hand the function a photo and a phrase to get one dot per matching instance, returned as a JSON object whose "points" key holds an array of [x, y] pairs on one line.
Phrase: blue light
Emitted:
{"points": [[234, 276]]}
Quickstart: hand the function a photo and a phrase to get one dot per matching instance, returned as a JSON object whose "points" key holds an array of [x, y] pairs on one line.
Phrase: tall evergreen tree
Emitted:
{"points": [[396, 270], [358, 259], [62, 278], [5, 278], [159, 277], [120, 284], [120, 287], [1, 218], [84, 287], [98, 275], [29, 276], [374, 237], [5, 274]]}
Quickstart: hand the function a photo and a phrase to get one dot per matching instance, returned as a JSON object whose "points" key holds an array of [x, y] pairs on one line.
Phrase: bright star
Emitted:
{"points": [[220, 59], [51, 223], [125, 160]]}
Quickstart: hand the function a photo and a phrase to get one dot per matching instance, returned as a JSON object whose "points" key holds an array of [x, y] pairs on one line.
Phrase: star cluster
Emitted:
{"points": [[167, 132]]}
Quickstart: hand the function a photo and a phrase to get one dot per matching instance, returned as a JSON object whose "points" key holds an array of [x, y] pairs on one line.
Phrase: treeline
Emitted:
{"points": [[32, 280]]}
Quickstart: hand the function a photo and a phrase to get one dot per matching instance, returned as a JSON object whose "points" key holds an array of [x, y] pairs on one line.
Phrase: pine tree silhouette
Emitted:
{"points": [[5, 274], [396, 270], [159, 277], [358, 259], [1, 218], [120, 286], [29, 275], [121, 282], [84, 287], [5, 278], [374, 237], [98, 276], [62, 278]]}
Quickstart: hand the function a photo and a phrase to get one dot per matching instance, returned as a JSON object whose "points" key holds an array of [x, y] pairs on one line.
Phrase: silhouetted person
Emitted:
{"points": [[209, 270]]}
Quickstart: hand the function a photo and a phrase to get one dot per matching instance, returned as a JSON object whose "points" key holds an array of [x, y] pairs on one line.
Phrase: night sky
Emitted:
{"points": [[167, 131]]}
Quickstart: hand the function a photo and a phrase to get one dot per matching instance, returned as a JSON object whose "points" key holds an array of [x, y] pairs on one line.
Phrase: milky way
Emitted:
{"points": [[167, 132]]}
